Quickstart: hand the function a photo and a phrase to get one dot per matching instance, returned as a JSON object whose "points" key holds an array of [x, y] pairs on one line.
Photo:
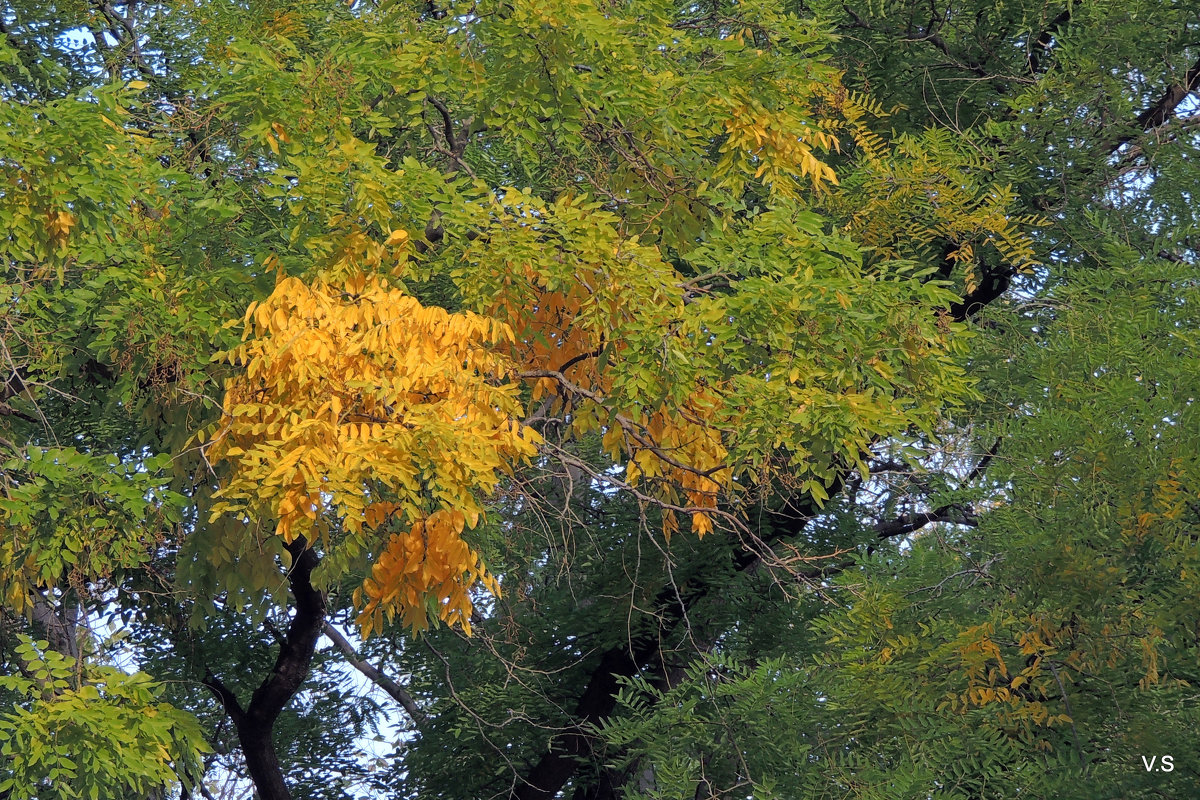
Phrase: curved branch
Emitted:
{"points": [[1161, 111], [225, 697]]}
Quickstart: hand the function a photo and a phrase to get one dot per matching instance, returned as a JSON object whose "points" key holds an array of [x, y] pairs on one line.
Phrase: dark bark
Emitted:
{"points": [[598, 700], [1157, 114], [1041, 46], [256, 721], [990, 288], [1161, 111], [262, 762], [546, 778], [59, 624], [911, 523]]}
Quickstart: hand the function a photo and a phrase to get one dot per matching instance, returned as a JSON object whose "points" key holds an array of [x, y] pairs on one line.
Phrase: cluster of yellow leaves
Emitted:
{"points": [[427, 563], [1023, 700], [59, 224], [348, 250], [1157, 514], [1052, 652], [778, 149], [357, 399], [16, 574], [920, 191], [980, 655], [673, 447], [552, 334], [680, 448]]}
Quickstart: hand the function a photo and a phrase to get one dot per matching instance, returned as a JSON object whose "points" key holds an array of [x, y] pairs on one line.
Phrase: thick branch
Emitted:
{"points": [[1041, 45], [910, 523], [227, 698], [598, 700], [1164, 108], [1160, 112], [952, 513], [296, 652], [984, 462], [546, 778], [447, 126], [990, 287]]}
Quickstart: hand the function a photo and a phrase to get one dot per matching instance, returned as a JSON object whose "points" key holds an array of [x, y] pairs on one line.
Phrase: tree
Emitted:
{"points": [[437, 321]]}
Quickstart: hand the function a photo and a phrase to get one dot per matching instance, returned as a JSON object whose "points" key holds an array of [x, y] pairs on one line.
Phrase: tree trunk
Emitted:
{"points": [[262, 762], [59, 623], [256, 721]]}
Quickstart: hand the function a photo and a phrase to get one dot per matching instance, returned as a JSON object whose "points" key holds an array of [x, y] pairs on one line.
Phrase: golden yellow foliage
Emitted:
{"points": [[778, 152], [677, 445], [428, 562], [356, 400]]}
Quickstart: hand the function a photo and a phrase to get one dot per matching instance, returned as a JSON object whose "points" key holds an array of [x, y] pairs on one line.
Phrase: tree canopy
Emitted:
{"points": [[557, 398]]}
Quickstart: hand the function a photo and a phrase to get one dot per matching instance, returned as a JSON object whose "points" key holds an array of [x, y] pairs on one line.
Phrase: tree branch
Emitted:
{"points": [[550, 773], [991, 286], [1042, 43], [984, 462], [376, 675], [296, 652], [1161, 111], [447, 125], [1164, 108], [910, 523], [227, 698], [122, 29]]}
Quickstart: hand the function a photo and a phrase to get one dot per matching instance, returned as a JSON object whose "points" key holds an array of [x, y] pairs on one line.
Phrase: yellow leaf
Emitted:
{"points": [[60, 223]]}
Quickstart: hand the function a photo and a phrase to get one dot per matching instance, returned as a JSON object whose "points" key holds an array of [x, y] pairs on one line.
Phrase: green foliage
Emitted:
{"points": [[719, 721], [89, 732], [71, 517], [896, 301]]}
